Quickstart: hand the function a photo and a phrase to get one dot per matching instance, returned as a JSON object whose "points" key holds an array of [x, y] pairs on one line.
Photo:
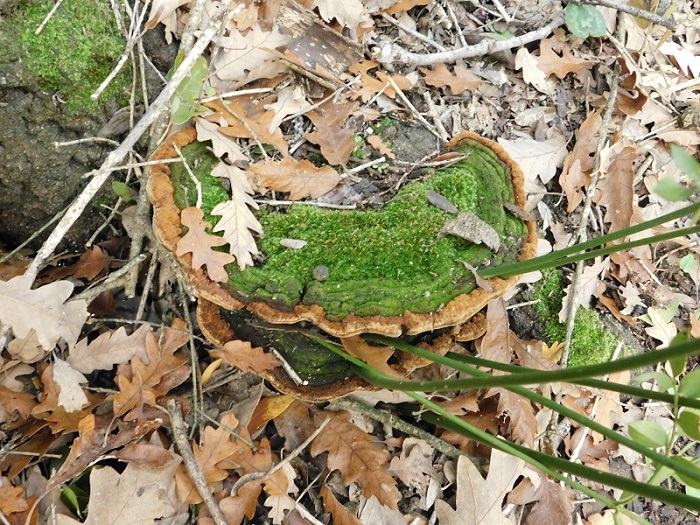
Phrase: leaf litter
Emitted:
{"points": [[367, 473]]}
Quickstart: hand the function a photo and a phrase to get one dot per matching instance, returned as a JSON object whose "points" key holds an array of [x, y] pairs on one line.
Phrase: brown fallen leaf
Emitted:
{"points": [[298, 177], [460, 81], [377, 143], [341, 515], [521, 415], [215, 445], [220, 143], [357, 457], [247, 122], [51, 410], [108, 349], [91, 264], [200, 244], [141, 383], [241, 354], [45, 310], [12, 499], [26, 349], [242, 504], [552, 502], [136, 495], [375, 356], [479, 500], [71, 395], [616, 190], [552, 63], [237, 220], [336, 141]]}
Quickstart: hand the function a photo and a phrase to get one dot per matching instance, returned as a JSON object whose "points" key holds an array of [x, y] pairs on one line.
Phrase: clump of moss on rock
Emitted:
{"points": [[591, 342], [72, 55]]}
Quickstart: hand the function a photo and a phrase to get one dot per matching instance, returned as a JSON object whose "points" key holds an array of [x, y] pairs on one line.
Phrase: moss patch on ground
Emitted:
{"points": [[73, 54], [379, 262], [591, 342]]}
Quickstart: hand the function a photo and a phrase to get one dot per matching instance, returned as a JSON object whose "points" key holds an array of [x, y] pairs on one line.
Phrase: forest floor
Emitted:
{"points": [[340, 105]]}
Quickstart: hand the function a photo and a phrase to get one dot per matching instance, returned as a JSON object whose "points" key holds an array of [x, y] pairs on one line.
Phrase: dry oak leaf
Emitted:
{"points": [[335, 141], [552, 63], [237, 221], [382, 82], [382, 147], [10, 371], [587, 287], [375, 356], [44, 310], [243, 504], [91, 263], [71, 395], [11, 498], [291, 100], [241, 55], [95, 439], [201, 245], [21, 402], [532, 74], [298, 177], [538, 159], [276, 486], [460, 81], [415, 468], [616, 189], [357, 457], [399, 6], [339, 512], [348, 12], [479, 500], [220, 143], [142, 495], [141, 383], [521, 413], [214, 447], [247, 122], [26, 349], [552, 502], [241, 354], [109, 349], [51, 410]]}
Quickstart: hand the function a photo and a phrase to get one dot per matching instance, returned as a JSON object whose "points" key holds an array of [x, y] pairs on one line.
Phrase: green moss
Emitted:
{"points": [[359, 152], [74, 52], [591, 343], [380, 262]]}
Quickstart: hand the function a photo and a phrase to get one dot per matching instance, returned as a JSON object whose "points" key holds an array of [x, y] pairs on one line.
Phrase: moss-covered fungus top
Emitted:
{"points": [[380, 262]]}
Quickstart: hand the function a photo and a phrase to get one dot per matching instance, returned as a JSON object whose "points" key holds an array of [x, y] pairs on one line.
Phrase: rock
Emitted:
{"points": [[45, 87]]}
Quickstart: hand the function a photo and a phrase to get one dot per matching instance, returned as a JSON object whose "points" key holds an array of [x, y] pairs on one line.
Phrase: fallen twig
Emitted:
{"points": [[277, 466], [388, 53], [114, 280], [393, 421], [416, 34], [195, 473], [48, 17]]}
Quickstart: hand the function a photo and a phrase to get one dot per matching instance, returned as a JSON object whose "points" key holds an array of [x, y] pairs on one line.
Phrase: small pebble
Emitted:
{"points": [[320, 273], [293, 244]]}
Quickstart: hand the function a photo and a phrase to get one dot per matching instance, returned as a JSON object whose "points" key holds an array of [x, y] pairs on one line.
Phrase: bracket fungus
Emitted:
{"points": [[392, 271]]}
